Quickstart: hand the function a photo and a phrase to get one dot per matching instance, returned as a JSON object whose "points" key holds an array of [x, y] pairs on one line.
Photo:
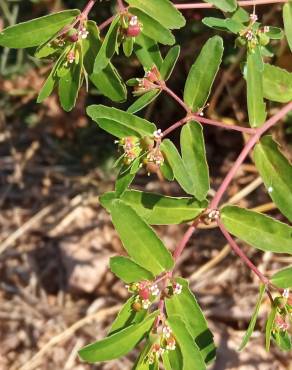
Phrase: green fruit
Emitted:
{"points": [[240, 42], [263, 39]]}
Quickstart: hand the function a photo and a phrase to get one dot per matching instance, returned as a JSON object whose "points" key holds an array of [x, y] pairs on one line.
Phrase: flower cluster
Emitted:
{"points": [[252, 35], [145, 293], [165, 342], [131, 148], [149, 82]]}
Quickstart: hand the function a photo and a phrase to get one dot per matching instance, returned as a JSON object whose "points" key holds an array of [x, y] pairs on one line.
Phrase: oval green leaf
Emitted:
{"points": [[126, 317], [194, 157], [129, 271], [162, 11], [37, 31], [139, 239], [258, 230], [120, 123], [118, 344], [169, 62], [144, 100], [192, 358], [255, 95], [186, 306], [276, 172], [108, 47], [283, 278], [277, 84], [157, 209], [287, 18], [202, 74]]}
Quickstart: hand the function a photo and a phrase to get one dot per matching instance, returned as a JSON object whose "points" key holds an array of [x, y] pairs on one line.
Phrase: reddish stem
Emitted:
{"points": [[182, 244], [106, 22], [241, 3], [175, 97], [241, 254], [88, 8], [249, 145], [207, 121]]}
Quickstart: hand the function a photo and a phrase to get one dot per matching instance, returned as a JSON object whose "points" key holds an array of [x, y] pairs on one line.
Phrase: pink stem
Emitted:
{"points": [[106, 23], [182, 244], [241, 254], [207, 121], [121, 6], [175, 97], [241, 3], [88, 8], [249, 145]]}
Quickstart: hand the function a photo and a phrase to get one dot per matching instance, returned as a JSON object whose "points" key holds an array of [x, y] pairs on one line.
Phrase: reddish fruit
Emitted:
{"points": [[144, 293], [134, 31]]}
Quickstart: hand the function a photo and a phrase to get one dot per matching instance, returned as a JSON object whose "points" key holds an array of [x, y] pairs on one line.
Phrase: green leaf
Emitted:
{"points": [[172, 360], [282, 339], [225, 5], [51, 81], [124, 180], [166, 171], [192, 358], [276, 172], [157, 209], [223, 24], [153, 29], [120, 123], [275, 33], [108, 47], [179, 170], [169, 62], [253, 320], [142, 362], [129, 271], [283, 278], [277, 84], [186, 306], [69, 85], [287, 18], [147, 52], [255, 95], [128, 45], [118, 344], [194, 157], [108, 81], [162, 11], [126, 317], [36, 31], [203, 73], [144, 100], [139, 240], [258, 230], [270, 325]]}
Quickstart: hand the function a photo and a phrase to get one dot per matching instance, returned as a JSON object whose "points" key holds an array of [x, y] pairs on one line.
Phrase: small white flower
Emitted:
{"points": [[177, 289], [158, 134], [249, 35], [166, 331], [253, 17], [270, 189], [214, 214], [266, 29], [171, 346], [154, 290], [133, 21], [146, 304], [83, 33], [286, 293], [201, 114]]}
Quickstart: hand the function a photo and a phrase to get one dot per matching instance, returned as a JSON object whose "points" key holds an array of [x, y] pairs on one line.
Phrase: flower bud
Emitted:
{"points": [[137, 306], [72, 35], [134, 28]]}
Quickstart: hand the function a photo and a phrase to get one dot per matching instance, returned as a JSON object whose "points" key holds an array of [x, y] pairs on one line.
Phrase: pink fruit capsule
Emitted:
{"points": [[144, 293], [134, 30]]}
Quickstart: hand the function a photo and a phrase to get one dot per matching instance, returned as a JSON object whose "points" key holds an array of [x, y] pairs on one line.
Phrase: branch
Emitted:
{"points": [[241, 3], [241, 254], [248, 147]]}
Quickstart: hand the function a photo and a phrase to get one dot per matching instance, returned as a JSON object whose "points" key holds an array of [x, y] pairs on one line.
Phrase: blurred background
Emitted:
{"points": [[56, 293]]}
